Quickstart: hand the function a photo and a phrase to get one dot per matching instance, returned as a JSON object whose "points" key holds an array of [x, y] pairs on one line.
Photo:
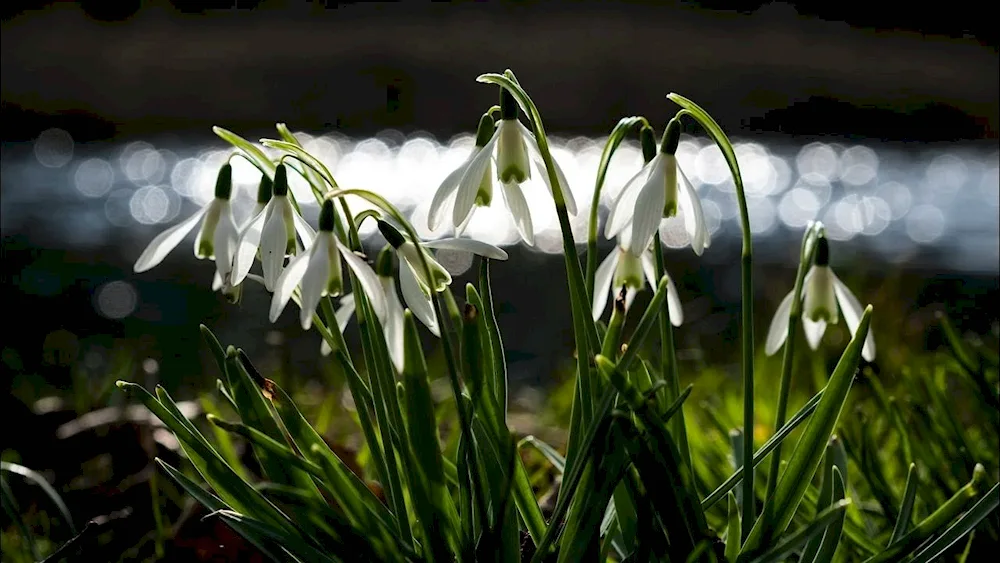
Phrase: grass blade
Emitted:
{"points": [[809, 450], [961, 527], [906, 509]]}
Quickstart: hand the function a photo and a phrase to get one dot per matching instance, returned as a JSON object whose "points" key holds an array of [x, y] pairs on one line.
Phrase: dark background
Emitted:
{"points": [[890, 70]]}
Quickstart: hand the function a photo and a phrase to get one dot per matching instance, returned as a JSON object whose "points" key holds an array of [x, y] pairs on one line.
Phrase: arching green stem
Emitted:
{"points": [[693, 110]]}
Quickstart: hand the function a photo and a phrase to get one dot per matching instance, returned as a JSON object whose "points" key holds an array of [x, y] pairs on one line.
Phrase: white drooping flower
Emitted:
{"points": [[317, 273], [511, 148], [272, 231], [823, 296], [654, 194], [216, 239], [620, 269], [417, 289], [234, 292]]}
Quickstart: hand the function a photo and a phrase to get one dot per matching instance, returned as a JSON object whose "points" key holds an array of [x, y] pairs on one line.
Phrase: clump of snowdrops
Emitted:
{"points": [[627, 490]]}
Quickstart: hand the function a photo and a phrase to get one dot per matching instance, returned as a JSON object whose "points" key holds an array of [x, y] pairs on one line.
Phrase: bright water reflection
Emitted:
{"points": [[946, 199]]}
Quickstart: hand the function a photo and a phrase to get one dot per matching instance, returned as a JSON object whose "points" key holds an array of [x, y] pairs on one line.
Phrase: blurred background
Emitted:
{"points": [[884, 127], [882, 123]]}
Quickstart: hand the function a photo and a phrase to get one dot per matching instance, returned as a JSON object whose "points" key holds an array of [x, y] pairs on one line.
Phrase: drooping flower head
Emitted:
{"points": [[317, 272], [512, 148], [654, 194], [417, 288], [272, 231], [216, 239], [622, 269], [824, 297]]}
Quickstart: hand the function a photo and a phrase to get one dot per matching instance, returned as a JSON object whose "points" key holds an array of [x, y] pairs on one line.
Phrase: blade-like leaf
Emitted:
{"points": [[808, 453]]}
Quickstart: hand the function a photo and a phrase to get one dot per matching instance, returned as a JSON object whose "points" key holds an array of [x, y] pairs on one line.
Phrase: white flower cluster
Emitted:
{"points": [[505, 154]]}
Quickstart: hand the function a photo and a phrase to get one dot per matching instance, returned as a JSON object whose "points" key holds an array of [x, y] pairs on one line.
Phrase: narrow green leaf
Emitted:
{"points": [[961, 527], [831, 538], [496, 355], [733, 529], [734, 479], [14, 513], [293, 543], [440, 517], [906, 508], [37, 479], [550, 453], [937, 521], [809, 450], [788, 544]]}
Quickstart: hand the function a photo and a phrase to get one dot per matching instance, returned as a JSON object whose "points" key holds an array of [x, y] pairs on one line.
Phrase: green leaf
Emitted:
{"points": [[831, 538], [809, 450], [733, 529], [439, 517], [961, 527], [213, 503], [936, 522], [788, 544], [734, 479], [37, 479], [906, 508], [550, 453]]}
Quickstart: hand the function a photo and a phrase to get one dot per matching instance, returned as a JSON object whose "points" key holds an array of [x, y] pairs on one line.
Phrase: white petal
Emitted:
{"points": [[778, 330], [676, 309], [393, 325], [366, 278], [246, 248], [324, 348], [273, 243], [314, 281], [345, 311], [226, 237], [648, 212], [630, 294], [286, 284], [624, 205], [446, 192], [468, 245], [853, 311], [468, 186], [673, 300], [216, 281], [305, 231], [814, 331], [166, 241], [519, 211], [694, 215], [536, 156], [602, 281], [416, 300]]}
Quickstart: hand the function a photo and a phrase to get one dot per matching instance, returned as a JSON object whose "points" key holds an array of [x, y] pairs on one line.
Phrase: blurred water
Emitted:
{"points": [[892, 200]]}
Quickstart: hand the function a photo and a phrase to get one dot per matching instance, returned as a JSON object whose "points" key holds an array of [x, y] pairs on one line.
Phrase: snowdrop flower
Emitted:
{"points": [[822, 293], [620, 269], [273, 230], [653, 194], [216, 239], [235, 292], [317, 272], [417, 289], [512, 147]]}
